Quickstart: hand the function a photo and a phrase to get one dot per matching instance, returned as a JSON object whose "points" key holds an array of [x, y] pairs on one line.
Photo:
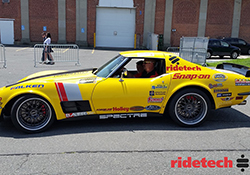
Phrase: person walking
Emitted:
{"points": [[43, 53], [48, 49]]}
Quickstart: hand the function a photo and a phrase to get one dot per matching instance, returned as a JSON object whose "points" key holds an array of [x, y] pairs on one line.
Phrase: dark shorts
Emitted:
{"points": [[49, 49]]}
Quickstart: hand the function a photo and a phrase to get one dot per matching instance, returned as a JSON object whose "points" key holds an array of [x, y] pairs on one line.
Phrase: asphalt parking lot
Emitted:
{"points": [[137, 146]]}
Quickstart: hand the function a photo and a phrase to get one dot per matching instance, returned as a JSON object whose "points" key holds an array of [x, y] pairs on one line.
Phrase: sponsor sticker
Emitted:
{"points": [[132, 115], [152, 107], [220, 77], [104, 109], [211, 86], [159, 86], [137, 108], [182, 68], [76, 114], [28, 86], [152, 93], [220, 90], [120, 109], [191, 76], [242, 82], [114, 109], [224, 95], [227, 98], [155, 100]]}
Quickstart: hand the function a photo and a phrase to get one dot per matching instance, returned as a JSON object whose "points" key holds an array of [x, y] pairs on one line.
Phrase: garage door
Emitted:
{"points": [[115, 27], [6, 32]]}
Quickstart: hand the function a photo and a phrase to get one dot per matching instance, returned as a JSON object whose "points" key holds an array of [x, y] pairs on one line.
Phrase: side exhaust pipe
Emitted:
{"points": [[243, 103]]}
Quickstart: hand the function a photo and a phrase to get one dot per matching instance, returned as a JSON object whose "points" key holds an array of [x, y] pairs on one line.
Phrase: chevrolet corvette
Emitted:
{"points": [[182, 90]]}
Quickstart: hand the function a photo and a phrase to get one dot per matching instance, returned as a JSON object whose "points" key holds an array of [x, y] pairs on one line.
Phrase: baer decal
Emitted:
{"points": [[76, 114]]}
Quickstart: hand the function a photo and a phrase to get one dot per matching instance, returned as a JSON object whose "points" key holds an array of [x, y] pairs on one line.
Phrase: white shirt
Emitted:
{"points": [[47, 41]]}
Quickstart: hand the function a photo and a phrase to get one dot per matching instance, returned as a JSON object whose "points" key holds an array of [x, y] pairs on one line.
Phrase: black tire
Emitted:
{"points": [[234, 55], [209, 54], [248, 52], [189, 107], [32, 114]]}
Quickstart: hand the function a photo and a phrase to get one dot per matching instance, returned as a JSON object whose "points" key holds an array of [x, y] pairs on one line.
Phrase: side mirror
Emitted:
{"points": [[123, 74]]}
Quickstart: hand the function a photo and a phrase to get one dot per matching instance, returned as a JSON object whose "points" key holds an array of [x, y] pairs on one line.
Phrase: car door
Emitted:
{"points": [[242, 45], [115, 95], [225, 48], [214, 46]]}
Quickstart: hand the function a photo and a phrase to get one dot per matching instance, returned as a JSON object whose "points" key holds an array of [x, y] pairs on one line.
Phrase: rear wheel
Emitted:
{"points": [[189, 107], [234, 55], [209, 54], [32, 114], [248, 51]]}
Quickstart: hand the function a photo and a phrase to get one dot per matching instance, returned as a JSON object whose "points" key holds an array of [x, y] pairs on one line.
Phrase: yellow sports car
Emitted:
{"points": [[167, 85]]}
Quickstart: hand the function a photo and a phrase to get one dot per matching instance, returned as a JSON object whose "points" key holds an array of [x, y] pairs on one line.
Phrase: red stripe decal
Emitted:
{"points": [[58, 91], [62, 92]]}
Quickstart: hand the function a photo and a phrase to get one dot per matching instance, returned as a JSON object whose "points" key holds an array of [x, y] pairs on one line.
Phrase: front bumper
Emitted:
{"points": [[1, 114]]}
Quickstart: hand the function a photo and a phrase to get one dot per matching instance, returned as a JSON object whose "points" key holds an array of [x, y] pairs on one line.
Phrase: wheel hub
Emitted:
{"points": [[33, 112]]}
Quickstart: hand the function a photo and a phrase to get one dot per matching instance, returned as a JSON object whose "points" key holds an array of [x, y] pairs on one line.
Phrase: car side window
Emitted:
{"points": [[233, 41], [242, 42], [224, 44]]}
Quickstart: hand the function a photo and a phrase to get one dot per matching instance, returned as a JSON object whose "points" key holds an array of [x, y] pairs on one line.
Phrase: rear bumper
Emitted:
{"points": [[244, 93]]}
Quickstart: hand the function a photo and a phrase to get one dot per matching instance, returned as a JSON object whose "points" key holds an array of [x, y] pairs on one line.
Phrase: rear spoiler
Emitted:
{"points": [[243, 70]]}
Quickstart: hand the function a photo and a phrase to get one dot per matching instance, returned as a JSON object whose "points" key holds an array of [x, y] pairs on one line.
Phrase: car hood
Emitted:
{"points": [[60, 75]]}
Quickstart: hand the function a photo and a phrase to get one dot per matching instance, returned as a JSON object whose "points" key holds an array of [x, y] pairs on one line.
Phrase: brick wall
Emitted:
{"points": [[13, 11], [159, 16], [139, 20], [43, 13], [91, 20], [71, 21], [219, 18], [185, 20], [245, 21]]}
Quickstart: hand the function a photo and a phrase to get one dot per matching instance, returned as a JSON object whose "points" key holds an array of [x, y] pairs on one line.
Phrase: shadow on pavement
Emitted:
{"points": [[217, 120]]}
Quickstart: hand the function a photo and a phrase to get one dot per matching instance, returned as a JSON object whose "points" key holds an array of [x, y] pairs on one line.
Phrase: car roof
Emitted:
{"points": [[144, 54]]}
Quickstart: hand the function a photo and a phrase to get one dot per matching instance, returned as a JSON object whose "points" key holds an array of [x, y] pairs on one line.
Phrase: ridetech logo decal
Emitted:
{"points": [[183, 68], [174, 60], [225, 162], [242, 163], [203, 163]]}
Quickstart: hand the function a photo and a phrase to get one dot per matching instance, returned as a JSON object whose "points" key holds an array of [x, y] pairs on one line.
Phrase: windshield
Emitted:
{"points": [[110, 67]]}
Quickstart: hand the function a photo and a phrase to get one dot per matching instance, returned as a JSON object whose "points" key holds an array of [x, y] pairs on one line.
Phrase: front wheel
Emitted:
{"points": [[189, 107], [32, 114], [234, 55]]}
